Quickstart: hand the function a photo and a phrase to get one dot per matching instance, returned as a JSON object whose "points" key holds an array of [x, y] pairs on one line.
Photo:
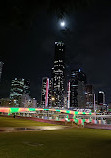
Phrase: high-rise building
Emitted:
{"points": [[58, 74], [1, 66], [89, 96], [77, 88], [18, 88], [68, 95], [50, 95], [81, 95], [45, 92], [101, 98], [74, 89]]}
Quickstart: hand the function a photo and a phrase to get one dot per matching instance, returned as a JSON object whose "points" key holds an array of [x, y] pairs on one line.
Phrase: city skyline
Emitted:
{"points": [[55, 78], [57, 91], [25, 53]]}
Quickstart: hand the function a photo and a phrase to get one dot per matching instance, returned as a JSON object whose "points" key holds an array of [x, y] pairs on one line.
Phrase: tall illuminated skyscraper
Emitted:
{"points": [[50, 96], [45, 92], [58, 74], [68, 95], [1, 66]]}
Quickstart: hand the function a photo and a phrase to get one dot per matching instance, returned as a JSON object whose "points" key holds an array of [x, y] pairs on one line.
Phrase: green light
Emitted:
{"points": [[67, 111], [46, 109], [76, 120], [58, 110], [32, 109], [13, 110], [76, 112]]}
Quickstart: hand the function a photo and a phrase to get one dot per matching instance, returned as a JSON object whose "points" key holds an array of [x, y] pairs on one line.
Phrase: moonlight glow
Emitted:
{"points": [[62, 23]]}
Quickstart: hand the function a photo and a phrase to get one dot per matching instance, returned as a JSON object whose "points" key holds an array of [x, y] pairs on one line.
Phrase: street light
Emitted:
{"points": [[52, 101], [52, 98]]}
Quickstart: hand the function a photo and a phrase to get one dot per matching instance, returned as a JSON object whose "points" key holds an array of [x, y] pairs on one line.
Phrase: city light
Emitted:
{"points": [[47, 89], [53, 98], [75, 113], [69, 95]]}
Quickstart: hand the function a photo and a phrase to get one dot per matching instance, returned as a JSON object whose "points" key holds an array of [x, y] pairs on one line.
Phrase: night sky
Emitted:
{"points": [[27, 36]]}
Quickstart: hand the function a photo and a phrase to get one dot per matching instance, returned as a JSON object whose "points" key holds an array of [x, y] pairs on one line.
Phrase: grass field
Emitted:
{"points": [[15, 122], [68, 143]]}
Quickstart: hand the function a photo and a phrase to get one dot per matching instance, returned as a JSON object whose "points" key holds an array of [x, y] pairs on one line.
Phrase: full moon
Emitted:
{"points": [[62, 23]]}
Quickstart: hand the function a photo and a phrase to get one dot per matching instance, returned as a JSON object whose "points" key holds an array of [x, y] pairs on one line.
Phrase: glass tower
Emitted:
{"points": [[77, 88], [18, 88], [101, 98], [45, 92], [58, 74]]}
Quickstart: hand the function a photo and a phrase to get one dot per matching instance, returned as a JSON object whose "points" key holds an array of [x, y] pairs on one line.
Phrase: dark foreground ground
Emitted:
{"points": [[68, 143]]}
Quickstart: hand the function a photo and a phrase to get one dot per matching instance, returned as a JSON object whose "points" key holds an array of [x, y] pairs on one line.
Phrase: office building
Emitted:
{"points": [[58, 74], [44, 92], [68, 95], [18, 88], [77, 88], [81, 95], [101, 98], [89, 92], [50, 95]]}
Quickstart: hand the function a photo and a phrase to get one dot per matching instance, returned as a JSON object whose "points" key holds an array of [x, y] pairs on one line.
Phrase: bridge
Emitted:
{"points": [[68, 115]]}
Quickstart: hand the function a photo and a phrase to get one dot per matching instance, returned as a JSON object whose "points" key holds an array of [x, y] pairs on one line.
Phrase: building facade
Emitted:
{"points": [[89, 96], [74, 89], [50, 95], [28, 102], [101, 98], [18, 88], [58, 74], [68, 95], [44, 92], [77, 89]]}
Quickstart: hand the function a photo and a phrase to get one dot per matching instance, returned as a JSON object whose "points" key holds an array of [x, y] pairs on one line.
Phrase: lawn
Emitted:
{"points": [[19, 122], [68, 143]]}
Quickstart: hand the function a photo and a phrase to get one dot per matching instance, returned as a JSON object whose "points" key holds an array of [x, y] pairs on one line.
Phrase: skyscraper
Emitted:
{"points": [[50, 95], [89, 96], [74, 89], [1, 65], [45, 92], [68, 95], [18, 88], [81, 95], [77, 88], [101, 98], [58, 74]]}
